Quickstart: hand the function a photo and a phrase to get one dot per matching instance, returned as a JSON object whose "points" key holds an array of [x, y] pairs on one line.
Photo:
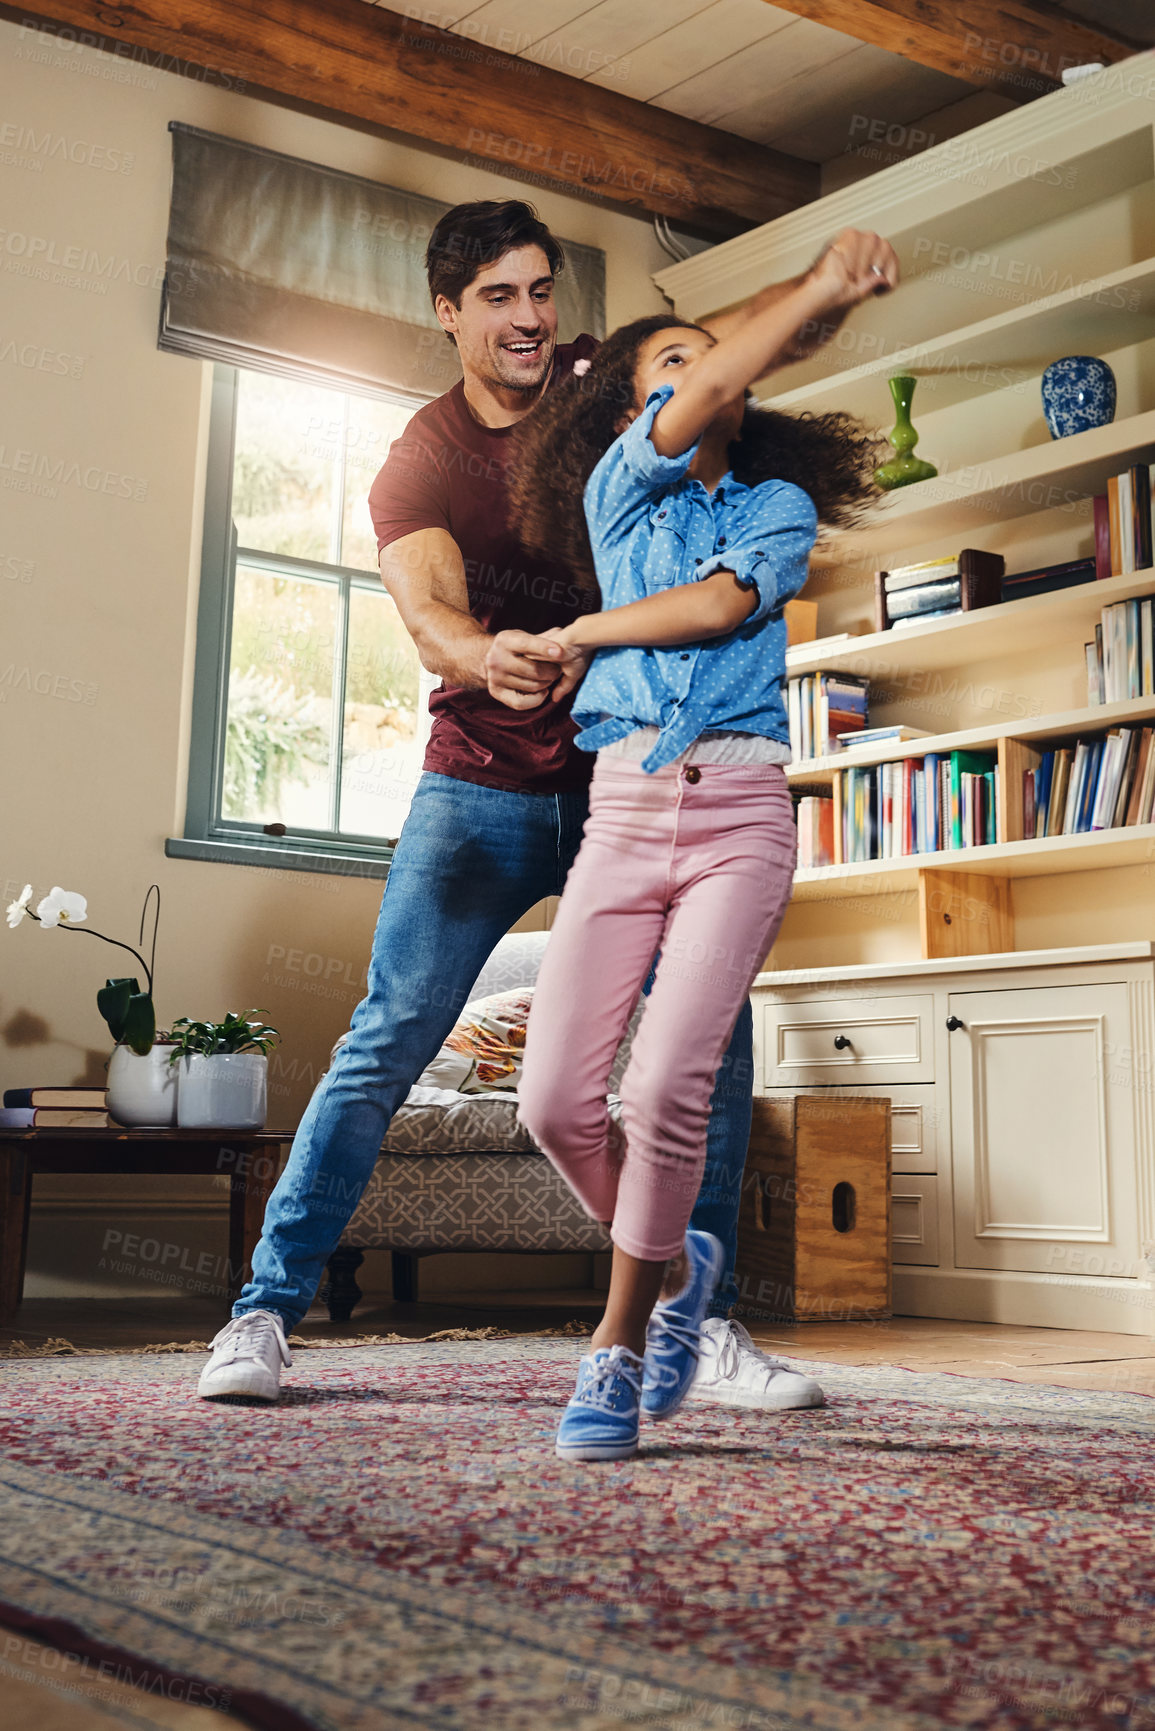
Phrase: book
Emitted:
{"points": [[1138, 780], [1130, 757], [1048, 580], [1126, 509], [16, 1117], [1057, 801], [93, 1098], [897, 733], [1146, 804], [926, 571], [1090, 656], [1114, 530], [1102, 537], [924, 598], [963, 763], [68, 1118], [815, 818], [1140, 539]]}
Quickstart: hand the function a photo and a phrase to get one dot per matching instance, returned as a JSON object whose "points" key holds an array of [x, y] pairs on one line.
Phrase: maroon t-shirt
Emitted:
{"points": [[446, 471]]}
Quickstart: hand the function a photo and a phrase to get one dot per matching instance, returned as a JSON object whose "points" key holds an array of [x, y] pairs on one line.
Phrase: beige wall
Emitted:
{"points": [[98, 591]]}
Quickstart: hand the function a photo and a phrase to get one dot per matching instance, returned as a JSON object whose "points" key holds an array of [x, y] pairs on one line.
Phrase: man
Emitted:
{"points": [[497, 816]]}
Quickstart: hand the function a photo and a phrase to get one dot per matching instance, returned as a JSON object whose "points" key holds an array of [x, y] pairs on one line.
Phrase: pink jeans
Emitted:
{"points": [[697, 862]]}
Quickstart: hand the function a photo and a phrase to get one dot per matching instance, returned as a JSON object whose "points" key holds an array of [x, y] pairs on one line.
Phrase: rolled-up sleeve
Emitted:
{"points": [[631, 472], [773, 554]]}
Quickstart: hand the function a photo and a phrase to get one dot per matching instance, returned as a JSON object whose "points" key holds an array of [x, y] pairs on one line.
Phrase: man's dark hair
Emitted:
{"points": [[471, 236]]}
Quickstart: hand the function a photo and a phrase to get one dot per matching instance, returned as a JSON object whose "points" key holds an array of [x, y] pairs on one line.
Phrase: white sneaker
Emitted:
{"points": [[732, 1372], [247, 1357]]}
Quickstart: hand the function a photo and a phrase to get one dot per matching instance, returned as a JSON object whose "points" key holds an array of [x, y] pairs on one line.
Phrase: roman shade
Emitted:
{"points": [[286, 266]]}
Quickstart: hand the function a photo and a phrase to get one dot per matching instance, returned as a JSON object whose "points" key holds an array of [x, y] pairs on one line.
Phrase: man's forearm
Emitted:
{"points": [[451, 644]]}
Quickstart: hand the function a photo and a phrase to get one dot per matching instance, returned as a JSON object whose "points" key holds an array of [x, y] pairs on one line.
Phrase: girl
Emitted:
{"points": [[698, 530]]}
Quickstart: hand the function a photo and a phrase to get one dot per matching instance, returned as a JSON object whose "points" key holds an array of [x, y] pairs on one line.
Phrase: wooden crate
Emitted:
{"points": [[814, 1224]]}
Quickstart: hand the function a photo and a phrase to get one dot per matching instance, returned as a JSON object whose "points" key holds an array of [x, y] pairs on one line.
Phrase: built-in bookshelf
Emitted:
{"points": [[1087, 286], [984, 990], [820, 771]]}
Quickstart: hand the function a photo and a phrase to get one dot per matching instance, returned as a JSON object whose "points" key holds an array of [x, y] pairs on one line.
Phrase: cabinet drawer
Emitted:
{"points": [[914, 1221], [914, 1111], [833, 1040]]}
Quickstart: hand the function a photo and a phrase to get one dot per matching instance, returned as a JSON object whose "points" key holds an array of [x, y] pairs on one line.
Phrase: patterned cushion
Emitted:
{"points": [[437, 1121], [483, 1052]]}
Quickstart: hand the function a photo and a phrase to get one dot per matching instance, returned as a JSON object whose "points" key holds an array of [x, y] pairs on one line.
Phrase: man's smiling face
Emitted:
{"points": [[506, 325]]}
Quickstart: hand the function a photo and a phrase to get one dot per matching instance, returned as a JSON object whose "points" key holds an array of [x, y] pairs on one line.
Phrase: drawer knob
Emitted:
{"points": [[953, 1022], [841, 1043]]}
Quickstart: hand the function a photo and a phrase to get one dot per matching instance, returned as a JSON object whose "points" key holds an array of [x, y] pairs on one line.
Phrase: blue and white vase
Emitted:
{"points": [[1078, 393]]}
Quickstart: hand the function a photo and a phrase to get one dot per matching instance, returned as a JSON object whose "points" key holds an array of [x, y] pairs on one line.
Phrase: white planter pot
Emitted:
{"points": [[224, 1092], [142, 1091]]}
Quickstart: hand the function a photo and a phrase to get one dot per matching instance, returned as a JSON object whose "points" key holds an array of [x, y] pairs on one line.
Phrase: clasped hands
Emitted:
{"points": [[523, 671]]}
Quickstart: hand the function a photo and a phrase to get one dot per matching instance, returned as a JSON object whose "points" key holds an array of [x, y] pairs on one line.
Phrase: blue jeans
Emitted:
{"points": [[469, 863]]}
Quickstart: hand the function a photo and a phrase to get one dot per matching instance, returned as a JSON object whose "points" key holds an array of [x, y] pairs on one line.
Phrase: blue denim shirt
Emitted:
{"points": [[652, 526]]}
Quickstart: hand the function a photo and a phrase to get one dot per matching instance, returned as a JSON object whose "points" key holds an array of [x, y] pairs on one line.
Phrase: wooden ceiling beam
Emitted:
{"points": [[531, 122], [1013, 47]]}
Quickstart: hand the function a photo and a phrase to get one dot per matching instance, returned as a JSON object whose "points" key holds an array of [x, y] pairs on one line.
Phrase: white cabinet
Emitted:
{"points": [[1042, 1141], [1022, 1093]]}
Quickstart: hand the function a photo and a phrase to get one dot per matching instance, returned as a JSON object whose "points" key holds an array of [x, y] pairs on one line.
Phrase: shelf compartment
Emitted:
{"points": [[819, 771], [1092, 317], [1050, 855], [1017, 484], [988, 634]]}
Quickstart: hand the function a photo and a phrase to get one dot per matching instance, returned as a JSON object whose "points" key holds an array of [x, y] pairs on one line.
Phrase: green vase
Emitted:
{"points": [[904, 467]]}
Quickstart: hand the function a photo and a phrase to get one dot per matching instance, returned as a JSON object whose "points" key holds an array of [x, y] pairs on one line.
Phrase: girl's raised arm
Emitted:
{"points": [[764, 340]]}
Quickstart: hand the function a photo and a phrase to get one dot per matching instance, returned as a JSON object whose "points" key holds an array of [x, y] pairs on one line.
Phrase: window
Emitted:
{"points": [[310, 704]]}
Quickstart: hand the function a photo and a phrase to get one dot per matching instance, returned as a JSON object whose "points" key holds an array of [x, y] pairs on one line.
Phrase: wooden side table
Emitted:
{"points": [[248, 1158]]}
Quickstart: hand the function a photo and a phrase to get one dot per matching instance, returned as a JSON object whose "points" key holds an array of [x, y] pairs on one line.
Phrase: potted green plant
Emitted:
{"points": [[222, 1068], [141, 1083]]}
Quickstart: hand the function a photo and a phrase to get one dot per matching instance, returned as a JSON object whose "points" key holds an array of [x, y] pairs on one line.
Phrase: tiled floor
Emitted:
{"points": [[43, 1693]]}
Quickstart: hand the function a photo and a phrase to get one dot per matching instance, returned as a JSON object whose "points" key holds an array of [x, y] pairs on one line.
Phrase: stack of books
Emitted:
{"points": [[1121, 660], [54, 1108], [1103, 783], [1047, 578], [917, 805], [814, 814], [822, 708], [936, 588], [1123, 533]]}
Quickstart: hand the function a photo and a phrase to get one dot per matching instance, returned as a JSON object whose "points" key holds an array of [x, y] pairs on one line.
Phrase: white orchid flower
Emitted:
{"points": [[18, 909], [62, 908]]}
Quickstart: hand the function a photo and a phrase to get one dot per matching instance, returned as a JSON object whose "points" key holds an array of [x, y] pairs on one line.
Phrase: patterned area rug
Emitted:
{"points": [[397, 1545]]}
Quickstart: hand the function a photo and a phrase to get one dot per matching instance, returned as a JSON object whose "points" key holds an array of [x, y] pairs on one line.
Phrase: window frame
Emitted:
{"points": [[207, 834]]}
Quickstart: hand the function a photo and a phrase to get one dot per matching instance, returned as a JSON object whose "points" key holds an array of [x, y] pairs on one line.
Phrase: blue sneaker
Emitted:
{"points": [[601, 1421], [675, 1329]]}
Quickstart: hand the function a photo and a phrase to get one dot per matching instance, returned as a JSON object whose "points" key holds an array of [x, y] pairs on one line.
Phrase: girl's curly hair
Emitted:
{"points": [[831, 457]]}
